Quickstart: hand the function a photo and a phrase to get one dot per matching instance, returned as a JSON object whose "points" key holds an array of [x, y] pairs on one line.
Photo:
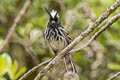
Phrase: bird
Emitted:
{"points": [[58, 38]]}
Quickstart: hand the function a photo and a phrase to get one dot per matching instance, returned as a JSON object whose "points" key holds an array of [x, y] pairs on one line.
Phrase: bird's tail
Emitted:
{"points": [[70, 67]]}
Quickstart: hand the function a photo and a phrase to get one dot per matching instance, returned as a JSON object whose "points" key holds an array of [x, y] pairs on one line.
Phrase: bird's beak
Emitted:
{"points": [[53, 22]]}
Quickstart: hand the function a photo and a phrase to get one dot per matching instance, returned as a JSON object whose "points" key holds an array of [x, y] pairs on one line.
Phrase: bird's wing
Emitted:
{"points": [[68, 39]]}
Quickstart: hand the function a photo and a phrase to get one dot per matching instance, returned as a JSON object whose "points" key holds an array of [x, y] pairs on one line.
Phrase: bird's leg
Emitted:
{"points": [[65, 64]]}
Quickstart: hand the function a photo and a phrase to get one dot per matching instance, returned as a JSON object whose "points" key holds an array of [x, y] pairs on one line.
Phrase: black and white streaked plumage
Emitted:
{"points": [[57, 38]]}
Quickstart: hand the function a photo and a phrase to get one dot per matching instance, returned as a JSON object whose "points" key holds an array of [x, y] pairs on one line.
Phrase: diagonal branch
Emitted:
{"points": [[108, 24], [78, 39], [15, 24], [34, 68], [114, 76]]}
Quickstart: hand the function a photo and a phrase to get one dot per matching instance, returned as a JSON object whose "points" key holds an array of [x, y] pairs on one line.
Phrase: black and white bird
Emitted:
{"points": [[58, 38]]}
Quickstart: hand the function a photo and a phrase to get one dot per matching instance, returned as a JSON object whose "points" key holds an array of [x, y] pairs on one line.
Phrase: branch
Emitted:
{"points": [[109, 23], [15, 24], [33, 69], [114, 76], [94, 49], [78, 39]]}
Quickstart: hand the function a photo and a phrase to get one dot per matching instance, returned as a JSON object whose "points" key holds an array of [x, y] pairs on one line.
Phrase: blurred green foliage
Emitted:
{"points": [[17, 57], [9, 67]]}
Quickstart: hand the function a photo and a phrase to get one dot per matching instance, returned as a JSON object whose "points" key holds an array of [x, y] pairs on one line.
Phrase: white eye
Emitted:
{"points": [[53, 13]]}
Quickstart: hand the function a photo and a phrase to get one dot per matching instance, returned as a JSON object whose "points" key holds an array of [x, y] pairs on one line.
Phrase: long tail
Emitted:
{"points": [[69, 64]]}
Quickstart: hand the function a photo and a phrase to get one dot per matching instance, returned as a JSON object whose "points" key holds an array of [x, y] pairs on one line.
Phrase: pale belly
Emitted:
{"points": [[58, 45]]}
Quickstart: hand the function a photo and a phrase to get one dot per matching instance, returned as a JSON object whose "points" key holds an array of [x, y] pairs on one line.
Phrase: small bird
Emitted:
{"points": [[58, 38]]}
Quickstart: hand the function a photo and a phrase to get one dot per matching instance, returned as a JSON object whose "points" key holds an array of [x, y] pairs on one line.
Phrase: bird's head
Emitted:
{"points": [[54, 17]]}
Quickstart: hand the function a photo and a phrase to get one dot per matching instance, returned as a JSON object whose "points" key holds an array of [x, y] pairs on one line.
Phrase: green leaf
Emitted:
{"points": [[3, 66], [21, 31], [13, 68], [113, 66], [8, 59], [20, 73], [5, 63], [28, 28]]}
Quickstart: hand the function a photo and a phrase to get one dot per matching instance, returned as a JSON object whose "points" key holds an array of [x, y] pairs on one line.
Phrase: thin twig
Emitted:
{"points": [[33, 69], [109, 23], [78, 39], [114, 76], [15, 24]]}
